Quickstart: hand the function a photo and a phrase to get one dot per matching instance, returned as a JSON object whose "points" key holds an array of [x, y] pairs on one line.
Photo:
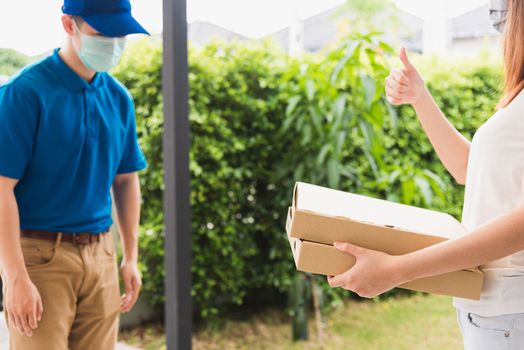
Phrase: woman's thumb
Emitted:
{"points": [[348, 248], [405, 60]]}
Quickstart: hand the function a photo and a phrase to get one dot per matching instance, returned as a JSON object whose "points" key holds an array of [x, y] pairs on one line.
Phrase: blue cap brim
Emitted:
{"points": [[115, 24]]}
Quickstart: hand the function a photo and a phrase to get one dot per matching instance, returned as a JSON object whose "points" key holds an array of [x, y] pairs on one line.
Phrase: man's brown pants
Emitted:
{"points": [[80, 294]]}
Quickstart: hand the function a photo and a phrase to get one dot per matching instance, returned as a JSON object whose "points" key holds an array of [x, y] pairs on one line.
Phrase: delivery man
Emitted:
{"points": [[67, 136]]}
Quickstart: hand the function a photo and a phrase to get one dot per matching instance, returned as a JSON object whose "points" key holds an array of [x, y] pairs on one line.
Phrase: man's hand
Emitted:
{"points": [[22, 301], [126, 190], [132, 282], [23, 304]]}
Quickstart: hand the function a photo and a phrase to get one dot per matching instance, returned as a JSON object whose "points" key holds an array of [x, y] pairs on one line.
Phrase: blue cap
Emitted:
{"points": [[112, 18]]}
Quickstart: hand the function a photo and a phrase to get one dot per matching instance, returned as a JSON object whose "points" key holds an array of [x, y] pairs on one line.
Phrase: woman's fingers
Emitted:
{"points": [[393, 84], [399, 76], [340, 280], [394, 101], [395, 94], [397, 87]]}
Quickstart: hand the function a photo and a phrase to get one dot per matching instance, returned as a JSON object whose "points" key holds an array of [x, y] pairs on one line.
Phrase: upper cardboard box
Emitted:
{"points": [[325, 215]]}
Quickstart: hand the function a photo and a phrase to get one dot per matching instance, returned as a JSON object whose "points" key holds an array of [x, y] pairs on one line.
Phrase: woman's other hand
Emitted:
{"points": [[404, 86]]}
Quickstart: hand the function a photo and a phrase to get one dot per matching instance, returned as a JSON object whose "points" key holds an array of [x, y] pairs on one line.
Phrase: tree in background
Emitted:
{"points": [[366, 16], [11, 61]]}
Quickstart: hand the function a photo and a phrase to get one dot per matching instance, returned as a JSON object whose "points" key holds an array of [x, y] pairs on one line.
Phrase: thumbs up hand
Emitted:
{"points": [[405, 85]]}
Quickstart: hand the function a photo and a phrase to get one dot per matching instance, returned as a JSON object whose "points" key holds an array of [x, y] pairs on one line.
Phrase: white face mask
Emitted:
{"points": [[99, 53], [498, 13]]}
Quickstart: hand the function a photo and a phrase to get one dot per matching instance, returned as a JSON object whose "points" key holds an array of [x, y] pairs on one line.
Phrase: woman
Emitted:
{"points": [[492, 169]]}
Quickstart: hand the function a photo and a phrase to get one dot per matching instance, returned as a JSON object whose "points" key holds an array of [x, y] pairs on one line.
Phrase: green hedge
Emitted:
{"points": [[260, 121]]}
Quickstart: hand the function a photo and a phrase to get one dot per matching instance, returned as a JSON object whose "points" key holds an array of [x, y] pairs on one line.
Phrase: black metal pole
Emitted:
{"points": [[175, 86]]}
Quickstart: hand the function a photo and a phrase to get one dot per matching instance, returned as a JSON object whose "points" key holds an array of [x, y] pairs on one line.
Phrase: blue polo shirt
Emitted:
{"points": [[65, 140]]}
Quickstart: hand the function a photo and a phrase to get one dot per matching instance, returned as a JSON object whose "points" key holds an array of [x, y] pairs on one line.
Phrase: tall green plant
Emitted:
{"points": [[261, 121], [337, 104]]}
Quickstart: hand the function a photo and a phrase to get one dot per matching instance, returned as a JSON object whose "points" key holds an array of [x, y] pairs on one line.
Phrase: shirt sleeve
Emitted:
{"points": [[133, 158], [18, 125]]}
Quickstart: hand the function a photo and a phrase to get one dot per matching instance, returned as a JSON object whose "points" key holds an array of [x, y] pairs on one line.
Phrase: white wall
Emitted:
{"points": [[475, 46], [437, 27]]}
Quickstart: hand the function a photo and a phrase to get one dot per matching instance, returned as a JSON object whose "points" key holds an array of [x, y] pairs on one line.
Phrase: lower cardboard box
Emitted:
{"points": [[324, 259]]}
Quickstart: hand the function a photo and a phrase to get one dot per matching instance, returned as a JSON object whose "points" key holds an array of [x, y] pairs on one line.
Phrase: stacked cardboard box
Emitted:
{"points": [[320, 216]]}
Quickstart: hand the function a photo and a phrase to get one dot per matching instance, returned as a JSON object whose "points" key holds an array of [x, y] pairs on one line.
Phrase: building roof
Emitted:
{"points": [[202, 33], [323, 28], [473, 24]]}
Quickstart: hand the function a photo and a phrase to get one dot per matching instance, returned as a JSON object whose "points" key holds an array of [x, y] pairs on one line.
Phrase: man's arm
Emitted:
{"points": [[23, 303], [126, 192]]}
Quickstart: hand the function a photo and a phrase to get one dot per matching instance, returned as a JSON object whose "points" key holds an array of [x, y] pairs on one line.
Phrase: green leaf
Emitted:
{"points": [[349, 53], [372, 163], [435, 178], [316, 118], [437, 185], [288, 121], [299, 172], [333, 173], [339, 106], [322, 154], [393, 114], [393, 197], [394, 176], [307, 134], [425, 189], [376, 115], [340, 142], [367, 131], [369, 86], [310, 90], [387, 48], [408, 191], [350, 173], [292, 104]]}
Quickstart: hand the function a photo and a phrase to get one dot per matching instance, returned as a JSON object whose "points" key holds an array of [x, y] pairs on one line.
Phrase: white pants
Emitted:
{"points": [[505, 332]]}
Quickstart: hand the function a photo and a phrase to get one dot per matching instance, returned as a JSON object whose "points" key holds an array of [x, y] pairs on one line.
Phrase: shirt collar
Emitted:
{"points": [[70, 78]]}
